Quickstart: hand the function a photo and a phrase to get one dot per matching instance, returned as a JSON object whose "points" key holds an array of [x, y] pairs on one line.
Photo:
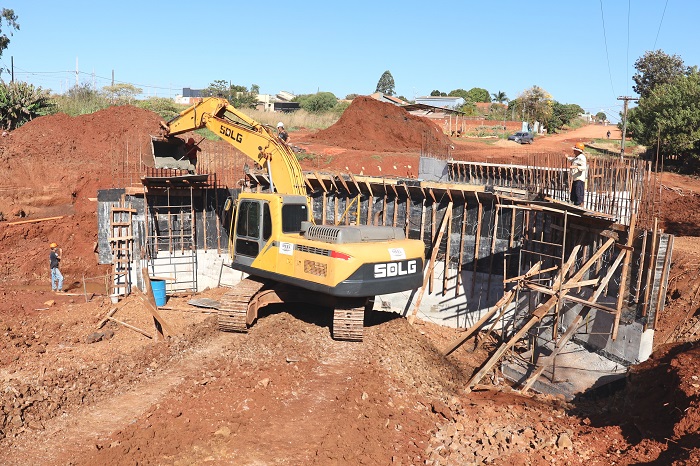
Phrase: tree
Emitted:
{"points": [[499, 97], [386, 84], [317, 103], [121, 93], [533, 104], [239, 96], [477, 94], [562, 115], [459, 93], [670, 116], [655, 68], [21, 102], [437, 93], [8, 17], [601, 116]]}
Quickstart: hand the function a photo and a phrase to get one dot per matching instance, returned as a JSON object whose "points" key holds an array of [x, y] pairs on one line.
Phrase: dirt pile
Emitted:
{"points": [[370, 125], [56, 160], [53, 166]]}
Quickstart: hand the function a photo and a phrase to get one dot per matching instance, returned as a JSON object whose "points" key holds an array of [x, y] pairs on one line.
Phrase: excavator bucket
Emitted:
{"points": [[169, 153]]}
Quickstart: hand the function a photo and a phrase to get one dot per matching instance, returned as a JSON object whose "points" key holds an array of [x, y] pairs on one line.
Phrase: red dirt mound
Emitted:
{"points": [[61, 154], [53, 166], [370, 125]]}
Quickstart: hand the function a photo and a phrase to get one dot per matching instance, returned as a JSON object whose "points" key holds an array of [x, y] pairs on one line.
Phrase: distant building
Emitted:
{"points": [[441, 102], [189, 96], [387, 98], [280, 102]]}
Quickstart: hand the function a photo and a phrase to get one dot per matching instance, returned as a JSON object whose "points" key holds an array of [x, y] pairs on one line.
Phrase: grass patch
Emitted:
{"points": [[207, 134], [295, 120]]}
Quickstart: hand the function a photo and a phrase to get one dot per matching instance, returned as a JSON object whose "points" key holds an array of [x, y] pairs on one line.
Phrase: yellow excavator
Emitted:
{"points": [[287, 257]]}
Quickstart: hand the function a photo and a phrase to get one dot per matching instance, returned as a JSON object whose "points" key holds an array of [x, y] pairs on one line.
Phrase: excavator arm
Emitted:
{"points": [[255, 140]]}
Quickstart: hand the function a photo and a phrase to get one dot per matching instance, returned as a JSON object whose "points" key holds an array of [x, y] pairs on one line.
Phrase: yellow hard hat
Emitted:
{"points": [[53, 245], [580, 146]]}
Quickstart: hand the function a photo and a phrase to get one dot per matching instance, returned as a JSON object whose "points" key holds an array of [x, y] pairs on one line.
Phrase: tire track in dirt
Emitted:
{"points": [[79, 430]]}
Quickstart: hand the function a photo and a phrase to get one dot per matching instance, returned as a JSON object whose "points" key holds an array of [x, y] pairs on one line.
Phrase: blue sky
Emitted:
{"points": [[344, 47]]}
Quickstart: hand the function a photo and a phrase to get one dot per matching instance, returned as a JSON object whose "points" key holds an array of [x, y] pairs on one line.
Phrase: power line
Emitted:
{"points": [[660, 23], [607, 56], [629, 7]]}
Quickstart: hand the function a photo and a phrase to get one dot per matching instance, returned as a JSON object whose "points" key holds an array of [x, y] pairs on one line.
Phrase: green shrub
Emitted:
{"points": [[21, 102], [81, 100], [166, 108]]}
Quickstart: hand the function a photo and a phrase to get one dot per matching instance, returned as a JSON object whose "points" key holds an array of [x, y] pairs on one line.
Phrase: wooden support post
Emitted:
{"points": [[539, 312], [494, 236], [447, 256], [433, 222], [427, 274], [477, 244], [622, 292], [575, 323], [461, 249]]}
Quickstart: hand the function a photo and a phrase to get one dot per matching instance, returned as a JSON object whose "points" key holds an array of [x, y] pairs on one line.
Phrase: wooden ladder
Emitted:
{"points": [[122, 245]]}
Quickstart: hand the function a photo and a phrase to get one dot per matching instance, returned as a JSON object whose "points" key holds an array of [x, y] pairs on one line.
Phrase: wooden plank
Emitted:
{"points": [[320, 181], [111, 312], [142, 332], [663, 280], [427, 275], [650, 268], [36, 220], [150, 301]]}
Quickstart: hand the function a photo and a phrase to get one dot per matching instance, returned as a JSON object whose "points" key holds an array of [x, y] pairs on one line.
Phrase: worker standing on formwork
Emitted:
{"points": [[579, 171]]}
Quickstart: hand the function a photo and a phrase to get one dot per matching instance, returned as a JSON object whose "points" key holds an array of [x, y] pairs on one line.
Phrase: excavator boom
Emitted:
{"points": [[256, 141]]}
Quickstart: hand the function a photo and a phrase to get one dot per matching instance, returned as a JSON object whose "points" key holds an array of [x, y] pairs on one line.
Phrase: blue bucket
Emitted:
{"points": [[158, 287]]}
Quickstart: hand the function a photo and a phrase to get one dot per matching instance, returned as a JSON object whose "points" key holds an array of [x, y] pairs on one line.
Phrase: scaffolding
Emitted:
{"points": [[171, 244]]}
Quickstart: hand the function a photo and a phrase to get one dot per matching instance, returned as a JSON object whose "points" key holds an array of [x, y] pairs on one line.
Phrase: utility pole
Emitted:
{"points": [[624, 122]]}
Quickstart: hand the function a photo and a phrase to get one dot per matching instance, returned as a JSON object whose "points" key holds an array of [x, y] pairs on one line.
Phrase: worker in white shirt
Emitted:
{"points": [[579, 170]]}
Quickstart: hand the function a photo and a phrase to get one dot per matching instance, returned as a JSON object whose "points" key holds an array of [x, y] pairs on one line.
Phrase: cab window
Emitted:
{"points": [[292, 216], [249, 220]]}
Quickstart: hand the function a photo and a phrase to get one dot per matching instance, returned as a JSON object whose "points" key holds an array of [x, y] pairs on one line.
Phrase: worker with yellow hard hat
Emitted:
{"points": [[54, 263], [579, 173]]}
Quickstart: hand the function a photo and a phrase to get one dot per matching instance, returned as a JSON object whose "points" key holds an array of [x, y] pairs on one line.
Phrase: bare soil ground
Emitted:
{"points": [[286, 393]]}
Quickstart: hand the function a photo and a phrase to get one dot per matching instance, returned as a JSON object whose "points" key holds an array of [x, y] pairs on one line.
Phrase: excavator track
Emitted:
{"points": [[349, 324], [233, 313]]}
